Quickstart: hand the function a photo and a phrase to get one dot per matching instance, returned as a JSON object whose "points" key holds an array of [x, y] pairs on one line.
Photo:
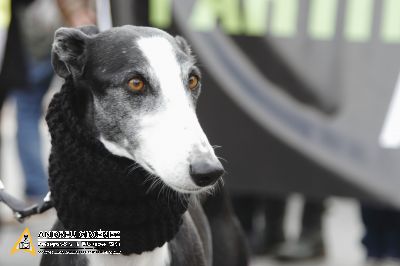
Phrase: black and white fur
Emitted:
{"points": [[157, 127]]}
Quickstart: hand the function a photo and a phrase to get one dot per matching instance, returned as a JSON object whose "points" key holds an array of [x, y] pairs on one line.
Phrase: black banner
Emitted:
{"points": [[301, 94]]}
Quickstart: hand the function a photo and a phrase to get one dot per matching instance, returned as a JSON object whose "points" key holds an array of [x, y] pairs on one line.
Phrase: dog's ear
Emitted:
{"points": [[183, 44], [69, 51]]}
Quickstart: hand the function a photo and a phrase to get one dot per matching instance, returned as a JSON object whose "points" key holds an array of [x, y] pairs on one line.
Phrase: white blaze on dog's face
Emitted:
{"points": [[144, 87], [171, 134]]}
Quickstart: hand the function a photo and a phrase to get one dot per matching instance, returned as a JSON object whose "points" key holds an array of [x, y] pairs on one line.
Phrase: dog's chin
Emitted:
{"points": [[190, 190]]}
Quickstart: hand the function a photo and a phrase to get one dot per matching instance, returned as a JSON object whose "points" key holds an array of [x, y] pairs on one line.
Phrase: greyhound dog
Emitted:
{"points": [[153, 77]]}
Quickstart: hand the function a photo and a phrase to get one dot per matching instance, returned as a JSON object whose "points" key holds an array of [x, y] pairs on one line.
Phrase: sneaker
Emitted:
{"points": [[305, 248]]}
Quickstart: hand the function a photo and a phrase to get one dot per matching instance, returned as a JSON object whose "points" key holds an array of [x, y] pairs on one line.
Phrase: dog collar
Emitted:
{"points": [[93, 189]]}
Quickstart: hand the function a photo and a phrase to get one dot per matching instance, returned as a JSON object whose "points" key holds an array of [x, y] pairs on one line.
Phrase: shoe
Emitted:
{"points": [[373, 262], [305, 248], [262, 244], [390, 262], [273, 241]]}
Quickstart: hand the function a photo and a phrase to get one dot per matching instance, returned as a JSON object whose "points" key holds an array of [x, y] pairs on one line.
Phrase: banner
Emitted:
{"points": [[5, 18], [302, 95]]}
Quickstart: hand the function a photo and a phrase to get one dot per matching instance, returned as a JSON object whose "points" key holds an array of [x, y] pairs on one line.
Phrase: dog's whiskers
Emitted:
{"points": [[163, 187], [132, 167], [216, 188], [194, 201], [222, 184], [155, 181], [222, 158]]}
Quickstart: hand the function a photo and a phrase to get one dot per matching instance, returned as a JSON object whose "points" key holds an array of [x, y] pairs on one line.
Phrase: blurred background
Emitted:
{"points": [[302, 96]]}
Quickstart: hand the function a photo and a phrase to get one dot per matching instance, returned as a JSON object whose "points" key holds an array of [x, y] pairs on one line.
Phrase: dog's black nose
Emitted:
{"points": [[205, 172]]}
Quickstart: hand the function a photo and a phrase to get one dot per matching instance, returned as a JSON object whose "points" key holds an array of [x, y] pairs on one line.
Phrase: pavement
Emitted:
{"points": [[342, 226]]}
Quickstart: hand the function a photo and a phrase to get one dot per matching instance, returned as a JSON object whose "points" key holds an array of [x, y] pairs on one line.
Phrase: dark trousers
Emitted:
{"points": [[382, 232], [274, 211]]}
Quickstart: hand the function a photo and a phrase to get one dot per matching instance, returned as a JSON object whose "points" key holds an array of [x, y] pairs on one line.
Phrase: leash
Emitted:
{"points": [[20, 209]]}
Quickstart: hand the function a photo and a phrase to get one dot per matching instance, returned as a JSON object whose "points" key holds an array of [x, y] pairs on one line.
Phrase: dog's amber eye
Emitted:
{"points": [[136, 84], [193, 82]]}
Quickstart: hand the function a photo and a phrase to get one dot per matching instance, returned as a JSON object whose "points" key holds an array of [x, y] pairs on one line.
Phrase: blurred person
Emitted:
{"points": [[271, 240], [382, 234], [310, 244], [271, 209], [78, 13], [28, 96], [46, 17], [14, 71]]}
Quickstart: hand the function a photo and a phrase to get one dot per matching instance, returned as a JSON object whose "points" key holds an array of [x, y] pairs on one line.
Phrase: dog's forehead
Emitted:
{"points": [[130, 34], [123, 46]]}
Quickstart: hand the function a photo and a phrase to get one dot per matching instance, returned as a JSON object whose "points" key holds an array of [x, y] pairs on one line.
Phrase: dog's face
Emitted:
{"points": [[144, 86]]}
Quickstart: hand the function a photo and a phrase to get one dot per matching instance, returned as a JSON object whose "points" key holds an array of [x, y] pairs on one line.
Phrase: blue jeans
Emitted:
{"points": [[29, 112]]}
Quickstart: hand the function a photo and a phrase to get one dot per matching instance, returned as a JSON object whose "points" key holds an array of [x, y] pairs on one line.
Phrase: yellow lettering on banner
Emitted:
{"points": [[206, 14], [322, 20], [160, 13], [390, 26], [359, 19], [284, 18], [279, 17], [5, 13]]}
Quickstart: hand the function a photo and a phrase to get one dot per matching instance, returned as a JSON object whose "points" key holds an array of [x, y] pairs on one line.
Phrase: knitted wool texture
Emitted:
{"points": [[93, 189]]}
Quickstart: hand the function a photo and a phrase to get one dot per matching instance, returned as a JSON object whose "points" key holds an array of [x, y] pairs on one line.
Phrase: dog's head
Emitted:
{"points": [[143, 86]]}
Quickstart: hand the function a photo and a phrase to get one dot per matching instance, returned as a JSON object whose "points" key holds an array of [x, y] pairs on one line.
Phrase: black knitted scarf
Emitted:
{"points": [[93, 189]]}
